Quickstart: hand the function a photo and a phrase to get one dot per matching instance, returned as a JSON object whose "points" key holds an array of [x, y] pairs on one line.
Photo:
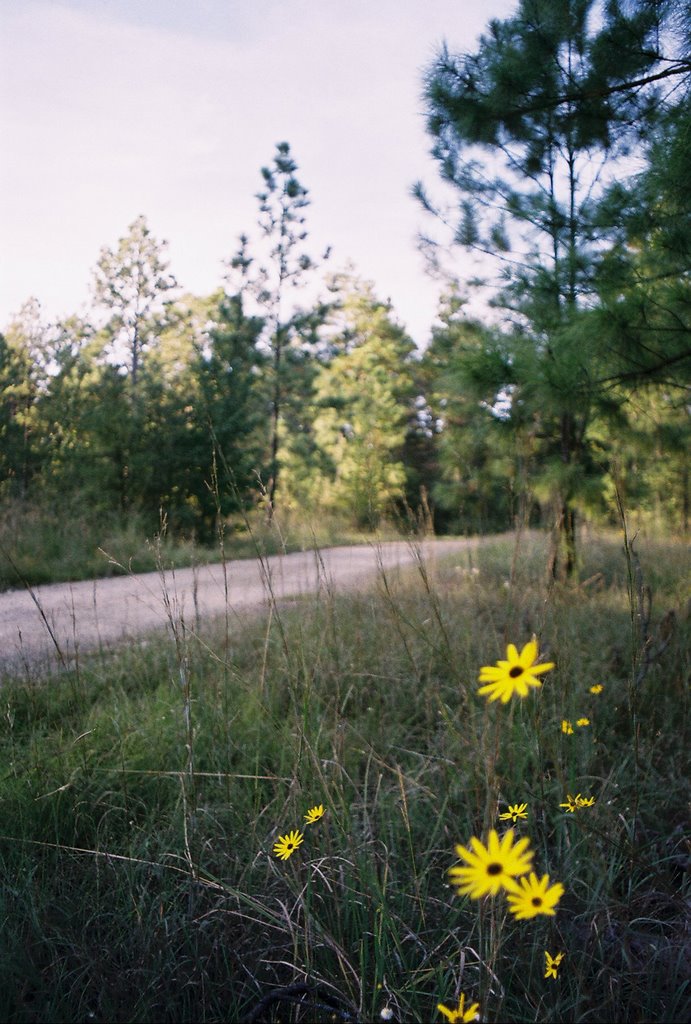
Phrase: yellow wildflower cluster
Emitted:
{"points": [[575, 803], [288, 844], [567, 727], [505, 865], [496, 867]]}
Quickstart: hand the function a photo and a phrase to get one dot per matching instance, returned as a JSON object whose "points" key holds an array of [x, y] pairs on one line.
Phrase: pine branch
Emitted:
{"points": [[586, 95]]}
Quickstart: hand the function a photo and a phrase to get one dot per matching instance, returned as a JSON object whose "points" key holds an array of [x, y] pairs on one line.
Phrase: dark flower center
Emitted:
{"points": [[289, 846], [494, 869], [536, 901], [516, 671]]}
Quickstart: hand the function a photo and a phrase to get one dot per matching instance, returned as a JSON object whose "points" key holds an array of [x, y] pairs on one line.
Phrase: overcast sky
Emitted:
{"points": [[168, 108]]}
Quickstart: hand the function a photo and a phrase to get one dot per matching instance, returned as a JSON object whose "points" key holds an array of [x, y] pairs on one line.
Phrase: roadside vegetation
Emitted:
{"points": [[147, 794], [256, 822], [65, 541], [560, 214]]}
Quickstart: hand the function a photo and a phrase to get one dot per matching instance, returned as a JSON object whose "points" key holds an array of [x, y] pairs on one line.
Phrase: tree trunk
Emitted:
{"points": [[562, 558], [569, 532], [567, 517], [275, 416]]}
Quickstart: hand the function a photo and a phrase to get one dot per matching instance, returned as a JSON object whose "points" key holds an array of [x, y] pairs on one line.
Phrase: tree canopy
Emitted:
{"points": [[533, 133], [563, 144]]}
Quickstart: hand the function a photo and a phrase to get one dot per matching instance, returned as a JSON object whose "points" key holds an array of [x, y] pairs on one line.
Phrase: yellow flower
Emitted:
{"points": [[582, 721], [287, 845], [515, 675], [314, 814], [574, 803], [566, 726], [461, 1015], [598, 688], [552, 963], [529, 896], [514, 812], [492, 866]]}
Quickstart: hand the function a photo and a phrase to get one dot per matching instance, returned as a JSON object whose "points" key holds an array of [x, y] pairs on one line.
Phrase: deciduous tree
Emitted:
{"points": [[364, 406]]}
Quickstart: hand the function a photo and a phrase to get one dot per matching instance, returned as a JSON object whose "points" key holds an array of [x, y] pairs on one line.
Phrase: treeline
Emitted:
{"points": [[564, 142], [197, 408]]}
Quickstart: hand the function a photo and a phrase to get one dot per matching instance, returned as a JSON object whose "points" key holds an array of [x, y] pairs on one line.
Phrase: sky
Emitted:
{"points": [[110, 109]]}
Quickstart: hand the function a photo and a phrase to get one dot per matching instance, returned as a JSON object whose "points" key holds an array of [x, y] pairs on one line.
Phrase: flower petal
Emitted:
{"points": [[493, 691], [528, 654], [547, 666], [490, 672]]}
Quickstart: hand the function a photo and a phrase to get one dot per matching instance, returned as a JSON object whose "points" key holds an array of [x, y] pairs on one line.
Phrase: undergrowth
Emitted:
{"points": [[52, 544], [143, 795]]}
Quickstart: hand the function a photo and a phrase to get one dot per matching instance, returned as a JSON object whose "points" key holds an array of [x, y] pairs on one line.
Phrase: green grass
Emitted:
{"points": [[51, 545], [141, 799]]}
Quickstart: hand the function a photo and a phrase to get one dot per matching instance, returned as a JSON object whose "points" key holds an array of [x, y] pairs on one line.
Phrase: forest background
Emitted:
{"points": [[563, 153]]}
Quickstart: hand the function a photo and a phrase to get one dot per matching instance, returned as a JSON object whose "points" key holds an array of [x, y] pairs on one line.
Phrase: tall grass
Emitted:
{"points": [[45, 544], [142, 797]]}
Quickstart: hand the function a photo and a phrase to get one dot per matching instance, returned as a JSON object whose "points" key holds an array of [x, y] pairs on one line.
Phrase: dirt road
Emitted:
{"points": [[50, 624]]}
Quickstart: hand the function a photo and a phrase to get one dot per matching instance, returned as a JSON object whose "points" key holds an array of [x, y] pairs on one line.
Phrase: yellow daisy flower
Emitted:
{"points": [[515, 675], [598, 688], [491, 867], [287, 845], [582, 721], [552, 963], [566, 726], [515, 812], [314, 814], [461, 1015], [583, 801], [571, 804], [531, 896]]}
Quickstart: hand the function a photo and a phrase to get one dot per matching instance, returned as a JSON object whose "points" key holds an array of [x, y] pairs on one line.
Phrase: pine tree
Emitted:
{"points": [[24, 355], [131, 282], [481, 453], [643, 316], [228, 415], [527, 131], [282, 202]]}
